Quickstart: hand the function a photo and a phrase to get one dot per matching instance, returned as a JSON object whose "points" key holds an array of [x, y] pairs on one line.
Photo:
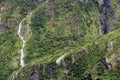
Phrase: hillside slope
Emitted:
{"points": [[64, 40], [98, 60]]}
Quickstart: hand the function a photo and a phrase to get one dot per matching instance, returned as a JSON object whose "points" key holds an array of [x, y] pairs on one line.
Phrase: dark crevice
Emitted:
{"points": [[106, 16]]}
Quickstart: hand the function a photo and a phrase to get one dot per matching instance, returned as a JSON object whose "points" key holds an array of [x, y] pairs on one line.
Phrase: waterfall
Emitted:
{"points": [[23, 44], [21, 50], [58, 61], [23, 39]]}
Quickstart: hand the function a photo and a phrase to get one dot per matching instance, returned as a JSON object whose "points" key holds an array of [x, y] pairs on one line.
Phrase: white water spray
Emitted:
{"points": [[58, 61]]}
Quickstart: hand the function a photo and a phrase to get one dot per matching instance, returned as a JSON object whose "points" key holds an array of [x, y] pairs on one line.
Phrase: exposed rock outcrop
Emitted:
{"points": [[110, 45], [107, 64], [112, 62]]}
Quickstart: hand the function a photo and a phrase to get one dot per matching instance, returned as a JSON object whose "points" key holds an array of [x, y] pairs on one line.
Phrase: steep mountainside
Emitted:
{"points": [[59, 39]]}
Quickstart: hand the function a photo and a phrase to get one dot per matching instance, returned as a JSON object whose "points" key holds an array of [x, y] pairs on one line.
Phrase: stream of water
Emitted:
{"points": [[23, 44], [19, 31], [23, 39]]}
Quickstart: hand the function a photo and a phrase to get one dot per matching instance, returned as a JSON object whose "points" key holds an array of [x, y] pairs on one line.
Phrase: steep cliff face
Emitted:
{"points": [[107, 16], [64, 40]]}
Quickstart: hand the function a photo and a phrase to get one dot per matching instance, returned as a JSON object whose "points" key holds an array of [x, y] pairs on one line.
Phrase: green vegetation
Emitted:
{"points": [[88, 61], [9, 45], [59, 27], [11, 14]]}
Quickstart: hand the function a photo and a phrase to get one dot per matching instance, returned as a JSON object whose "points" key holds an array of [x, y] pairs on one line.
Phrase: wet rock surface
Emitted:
{"points": [[50, 69], [66, 63], [33, 73], [106, 15]]}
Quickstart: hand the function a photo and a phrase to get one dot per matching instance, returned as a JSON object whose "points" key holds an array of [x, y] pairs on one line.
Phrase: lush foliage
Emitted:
{"points": [[58, 27], [11, 14]]}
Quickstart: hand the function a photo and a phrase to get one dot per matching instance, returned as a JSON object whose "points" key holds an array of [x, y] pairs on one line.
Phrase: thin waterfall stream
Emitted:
{"points": [[23, 44], [23, 33], [22, 63]]}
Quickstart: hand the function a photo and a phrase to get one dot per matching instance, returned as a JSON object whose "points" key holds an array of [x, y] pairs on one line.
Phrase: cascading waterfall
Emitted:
{"points": [[23, 45], [22, 49], [23, 39]]}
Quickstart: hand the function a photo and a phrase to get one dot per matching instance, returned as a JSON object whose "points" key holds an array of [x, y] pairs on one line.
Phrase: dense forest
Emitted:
{"points": [[59, 40]]}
